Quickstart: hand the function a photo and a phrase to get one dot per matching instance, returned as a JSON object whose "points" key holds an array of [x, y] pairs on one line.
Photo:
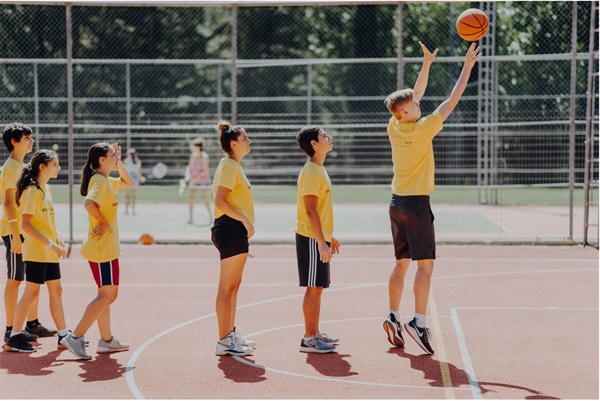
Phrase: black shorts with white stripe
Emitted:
{"points": [[311, 271], [15, 267]]}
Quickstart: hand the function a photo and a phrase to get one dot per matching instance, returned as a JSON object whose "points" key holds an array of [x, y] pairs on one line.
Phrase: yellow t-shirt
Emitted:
{"points": [[105, 192], [11, 171], [39, 205], [230, 175], [412, 154], [314, 180]]}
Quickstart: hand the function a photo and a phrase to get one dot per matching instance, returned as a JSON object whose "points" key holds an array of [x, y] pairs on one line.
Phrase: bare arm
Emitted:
{"points": [[94, 210], [421, 84], [222, 203], [11, 215], [126, 180], [30, 229], [448, 105]]}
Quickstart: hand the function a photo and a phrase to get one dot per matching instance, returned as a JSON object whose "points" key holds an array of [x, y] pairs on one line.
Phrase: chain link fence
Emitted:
{"points": [[154, 78]]}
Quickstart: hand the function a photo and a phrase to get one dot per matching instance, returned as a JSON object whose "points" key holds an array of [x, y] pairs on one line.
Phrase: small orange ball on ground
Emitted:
{"points": [[146, 239], [472, 24]]}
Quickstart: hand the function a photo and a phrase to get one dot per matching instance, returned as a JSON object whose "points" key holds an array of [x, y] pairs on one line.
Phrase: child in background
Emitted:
{"points": [[133, 164], [101, 246], [42, 247], [197, 174]]}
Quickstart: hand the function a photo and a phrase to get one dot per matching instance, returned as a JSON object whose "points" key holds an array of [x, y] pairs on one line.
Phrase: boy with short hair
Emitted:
{"points": [[410, 212], [315, 244], [18, 141]]}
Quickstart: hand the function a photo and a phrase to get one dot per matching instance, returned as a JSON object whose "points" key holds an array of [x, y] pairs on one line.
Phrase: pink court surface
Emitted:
{"points": [[507, 323]]}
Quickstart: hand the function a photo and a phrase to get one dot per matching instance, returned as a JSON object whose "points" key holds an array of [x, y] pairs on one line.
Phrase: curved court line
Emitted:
{"points": [[284, 372], [129, 376], [134, 357]]}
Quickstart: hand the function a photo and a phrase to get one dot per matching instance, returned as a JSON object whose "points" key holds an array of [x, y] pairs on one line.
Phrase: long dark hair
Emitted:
{"points": [[95, 152], [30, 172]]}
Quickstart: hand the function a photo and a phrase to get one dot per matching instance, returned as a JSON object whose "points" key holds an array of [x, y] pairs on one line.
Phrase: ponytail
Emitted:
{"points": [[95, 152]]}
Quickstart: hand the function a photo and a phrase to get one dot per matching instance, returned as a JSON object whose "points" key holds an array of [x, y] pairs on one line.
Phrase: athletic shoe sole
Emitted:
{"points": [[315, 350], [233, 353], [11, 349], [392, 334], [109, 350], [415, 337]]}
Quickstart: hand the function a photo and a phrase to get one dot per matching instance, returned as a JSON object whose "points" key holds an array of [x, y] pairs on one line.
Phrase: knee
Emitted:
{"points": [[108, 297]]}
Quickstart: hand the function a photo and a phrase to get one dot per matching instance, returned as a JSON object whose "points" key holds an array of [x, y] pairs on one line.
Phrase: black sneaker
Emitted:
{"points": [[18, 344], [420, 335], [393, 328], [41, 331], [27, 336]]}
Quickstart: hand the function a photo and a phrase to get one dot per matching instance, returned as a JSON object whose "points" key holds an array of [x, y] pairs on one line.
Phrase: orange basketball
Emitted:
{"points": [[472, 24], [146, 239]]}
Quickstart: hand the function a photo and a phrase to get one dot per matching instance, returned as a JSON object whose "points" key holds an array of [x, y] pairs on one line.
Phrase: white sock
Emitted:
{"points": [[14, 333], [396, 314], [63, 332], [421, 320]]}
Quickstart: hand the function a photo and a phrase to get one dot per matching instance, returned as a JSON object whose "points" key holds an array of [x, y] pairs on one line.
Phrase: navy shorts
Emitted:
{"points": [[40, 272], [15, 268], [106, 273], [413, 232], [311, 271], [229, 236]]}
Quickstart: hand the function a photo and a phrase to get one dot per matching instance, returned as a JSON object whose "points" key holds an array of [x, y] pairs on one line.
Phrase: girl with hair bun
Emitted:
{"points": [[233, 226]]}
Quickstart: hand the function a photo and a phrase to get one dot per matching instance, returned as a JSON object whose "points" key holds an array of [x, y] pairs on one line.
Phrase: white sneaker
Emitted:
{"points": [[114, 345], [244, 340], [230, 345], [325, 338]]}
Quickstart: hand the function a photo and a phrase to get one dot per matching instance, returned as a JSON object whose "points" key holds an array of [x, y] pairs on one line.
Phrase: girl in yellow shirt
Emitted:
{"points": [[101, 246], [42, 247], [234, 224]]}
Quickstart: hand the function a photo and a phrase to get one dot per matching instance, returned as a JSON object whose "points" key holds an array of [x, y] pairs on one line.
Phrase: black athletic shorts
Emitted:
{"points": [[311, 271], [229, 236], [15, 268], [40, 272], [412, 227]]}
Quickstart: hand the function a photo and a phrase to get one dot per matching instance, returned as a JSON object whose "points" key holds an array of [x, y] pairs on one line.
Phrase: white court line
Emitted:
{"points": [[462, 343], [336, 258], [131, 362]]}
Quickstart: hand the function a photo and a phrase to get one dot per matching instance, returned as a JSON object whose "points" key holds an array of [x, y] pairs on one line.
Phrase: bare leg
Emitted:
{"points": [[422, 285], [312, 309], [104, 325], [204, 194], [396, 283], [56, 305], [32, 291], [193, 193], [107, 294], [229, 284]]}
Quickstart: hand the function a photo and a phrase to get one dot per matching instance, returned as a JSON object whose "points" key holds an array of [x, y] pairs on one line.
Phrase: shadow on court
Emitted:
{"points": [[432, 371], [104, 368], [240, 372], [16, 363], [331, 364]]}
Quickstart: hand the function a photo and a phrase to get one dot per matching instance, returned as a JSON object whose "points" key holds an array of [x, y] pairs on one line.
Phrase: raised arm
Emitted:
{"points": [[421, 84], [449, 104]]}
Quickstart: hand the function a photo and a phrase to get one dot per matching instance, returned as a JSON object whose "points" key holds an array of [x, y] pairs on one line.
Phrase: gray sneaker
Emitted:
{"points": [[316, 345], [76, 346], [327, 339], [114, 345]]}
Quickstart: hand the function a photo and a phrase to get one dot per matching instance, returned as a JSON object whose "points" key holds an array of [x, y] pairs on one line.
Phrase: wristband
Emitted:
{"points": [[12, 221]]}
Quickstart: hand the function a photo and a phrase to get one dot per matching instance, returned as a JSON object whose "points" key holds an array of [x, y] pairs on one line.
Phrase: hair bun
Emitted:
{"points": [[223, 126]]}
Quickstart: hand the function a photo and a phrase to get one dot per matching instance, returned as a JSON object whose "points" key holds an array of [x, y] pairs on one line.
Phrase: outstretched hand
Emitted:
{"points": [[472, 55], [427, 55]]}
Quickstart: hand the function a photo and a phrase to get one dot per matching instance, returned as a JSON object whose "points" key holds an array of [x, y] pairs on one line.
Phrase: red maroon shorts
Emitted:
{"points": [[105, 273]]}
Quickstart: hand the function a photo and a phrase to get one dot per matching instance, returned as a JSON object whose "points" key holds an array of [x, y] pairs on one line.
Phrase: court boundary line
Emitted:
{"points": [[462, 342]]}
